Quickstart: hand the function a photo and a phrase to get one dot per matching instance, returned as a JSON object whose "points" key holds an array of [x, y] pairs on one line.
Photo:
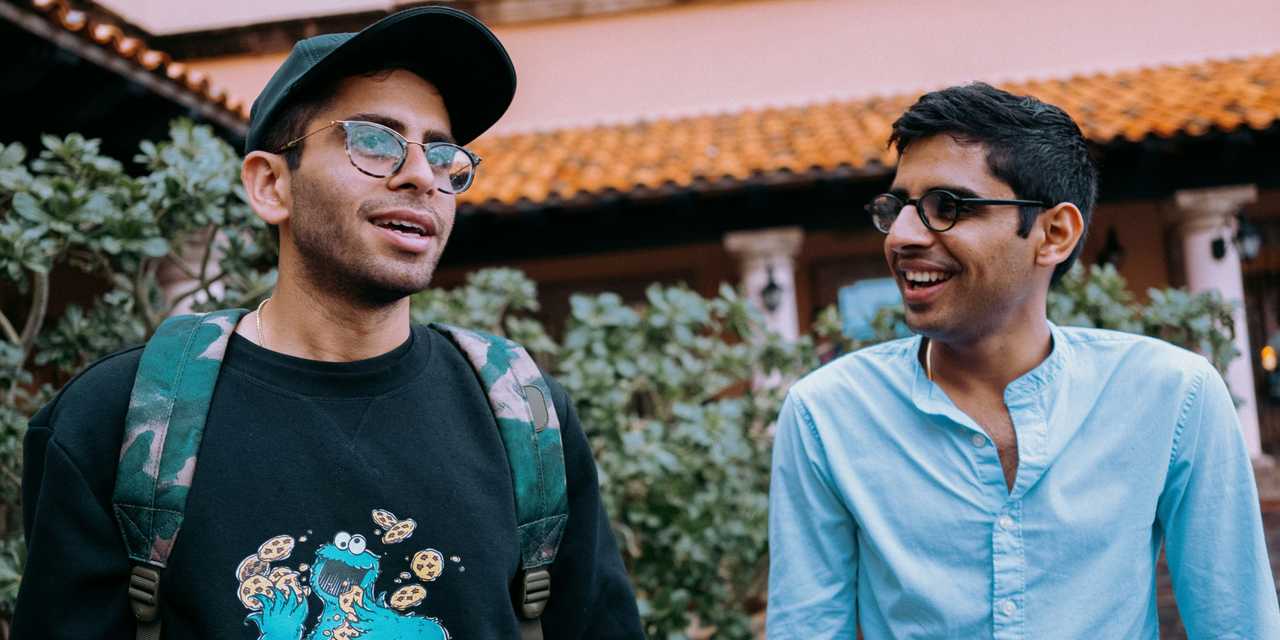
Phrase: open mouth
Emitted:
{"points": [[922, 280], [402, 227], [338, 577]]}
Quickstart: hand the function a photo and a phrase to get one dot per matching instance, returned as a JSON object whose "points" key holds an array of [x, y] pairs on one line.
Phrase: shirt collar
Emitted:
{"points": [[930, 398]]}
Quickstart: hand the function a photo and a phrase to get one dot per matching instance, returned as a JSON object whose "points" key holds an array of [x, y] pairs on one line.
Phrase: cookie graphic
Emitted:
{"points": [[288, 582], [400, 531], [252, 566], [384, 518], [345, 632], [428, 564], [409, 596], [253, 586], [277, 573], [277, 548], [345, 601]]}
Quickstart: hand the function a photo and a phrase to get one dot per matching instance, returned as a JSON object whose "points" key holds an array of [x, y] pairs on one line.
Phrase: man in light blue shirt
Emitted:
{"points": [[997, 476]]}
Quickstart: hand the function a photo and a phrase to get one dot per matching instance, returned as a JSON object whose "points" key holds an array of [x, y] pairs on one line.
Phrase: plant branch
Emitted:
{"points": [[10, 333], [182, 266], [144, 303], [208, 252], [35, 317], [198, 288], [11, 476]]}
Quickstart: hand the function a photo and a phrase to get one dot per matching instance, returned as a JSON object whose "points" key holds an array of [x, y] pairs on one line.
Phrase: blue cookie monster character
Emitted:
{"points": [[339, 566]]}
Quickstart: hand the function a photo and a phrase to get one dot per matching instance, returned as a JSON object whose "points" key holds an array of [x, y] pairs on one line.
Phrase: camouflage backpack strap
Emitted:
{"points": [[530, 430], [167, 411]]}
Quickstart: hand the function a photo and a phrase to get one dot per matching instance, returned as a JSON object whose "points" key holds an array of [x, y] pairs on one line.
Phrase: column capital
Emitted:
{"points": [[1210, 207], [765, 243]]}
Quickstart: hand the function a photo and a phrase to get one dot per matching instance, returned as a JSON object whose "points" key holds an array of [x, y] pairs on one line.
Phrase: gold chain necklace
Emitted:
{"points": [[928, 358], [262, 342]]}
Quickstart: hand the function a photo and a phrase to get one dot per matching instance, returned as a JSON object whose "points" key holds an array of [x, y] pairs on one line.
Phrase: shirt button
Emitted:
{"points": [[1008, 607], [1005, 523], [979, 441]]}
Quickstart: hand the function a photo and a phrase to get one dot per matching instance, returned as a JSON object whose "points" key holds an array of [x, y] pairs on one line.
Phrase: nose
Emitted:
{"points": [[908, 231], [415, 174]]}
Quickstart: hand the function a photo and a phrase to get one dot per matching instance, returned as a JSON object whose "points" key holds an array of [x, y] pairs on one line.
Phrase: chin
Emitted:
{"points": [[926, 324]]}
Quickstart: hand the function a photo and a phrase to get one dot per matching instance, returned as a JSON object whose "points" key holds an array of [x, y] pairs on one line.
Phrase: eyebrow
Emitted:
{"points": [[963, 192], [431, 135]]}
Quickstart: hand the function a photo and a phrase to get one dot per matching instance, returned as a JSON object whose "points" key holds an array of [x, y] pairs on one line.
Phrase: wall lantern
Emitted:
{"points": [[1248, 240], [771, 293]]}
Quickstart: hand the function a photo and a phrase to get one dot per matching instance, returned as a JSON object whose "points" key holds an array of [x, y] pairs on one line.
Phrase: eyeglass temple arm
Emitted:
{"points": [[304, 136], [998, 201]]}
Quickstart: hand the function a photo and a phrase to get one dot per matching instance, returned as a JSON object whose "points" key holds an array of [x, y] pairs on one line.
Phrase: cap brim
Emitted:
{"points": [[450, 49]]}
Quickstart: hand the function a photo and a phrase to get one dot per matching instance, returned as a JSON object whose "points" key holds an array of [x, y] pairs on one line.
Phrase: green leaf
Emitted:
{"points": [[155, 247], [25, 205]]}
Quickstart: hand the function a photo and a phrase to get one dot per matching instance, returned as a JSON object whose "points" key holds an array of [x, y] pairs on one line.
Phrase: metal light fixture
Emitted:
{"points": [[1248, 239], [771, 293]]}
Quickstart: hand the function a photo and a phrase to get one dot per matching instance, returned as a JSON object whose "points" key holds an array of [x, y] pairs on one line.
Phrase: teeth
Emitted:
{"points": [[391, 224], [924, 276]]}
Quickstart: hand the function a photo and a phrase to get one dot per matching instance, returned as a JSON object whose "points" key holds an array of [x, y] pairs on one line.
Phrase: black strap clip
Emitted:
{"points": [[144, 593], [532, 592]]}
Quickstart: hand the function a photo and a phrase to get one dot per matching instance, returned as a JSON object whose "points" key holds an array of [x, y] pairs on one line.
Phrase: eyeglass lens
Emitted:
{"points": [[939, 209], [380, 153]]}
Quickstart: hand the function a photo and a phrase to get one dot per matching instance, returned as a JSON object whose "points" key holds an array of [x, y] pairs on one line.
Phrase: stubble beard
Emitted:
{"points": [[333, 261]]}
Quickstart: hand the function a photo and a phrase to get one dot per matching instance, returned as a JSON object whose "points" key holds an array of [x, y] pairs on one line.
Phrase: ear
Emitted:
{"points": [[1061, 228], [266, 183]]}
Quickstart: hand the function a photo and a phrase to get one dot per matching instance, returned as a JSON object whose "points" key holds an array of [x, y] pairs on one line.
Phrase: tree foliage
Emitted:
{"points": [[72, 210]]}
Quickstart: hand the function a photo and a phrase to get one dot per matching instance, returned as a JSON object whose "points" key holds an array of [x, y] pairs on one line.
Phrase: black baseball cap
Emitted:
{"points": [[449, 48]]}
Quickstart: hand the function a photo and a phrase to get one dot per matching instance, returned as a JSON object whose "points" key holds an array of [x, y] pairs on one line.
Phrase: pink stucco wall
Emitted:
{"points": [[725, 57]]}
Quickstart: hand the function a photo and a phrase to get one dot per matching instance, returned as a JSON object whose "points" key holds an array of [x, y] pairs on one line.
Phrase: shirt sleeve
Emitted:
{"points": [[1209, 511], [813, 548], [591, 595], [75, 584]]}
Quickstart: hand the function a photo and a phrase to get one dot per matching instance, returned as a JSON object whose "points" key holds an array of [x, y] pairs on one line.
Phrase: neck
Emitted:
{"points": [[306, 322], [988, 363]]}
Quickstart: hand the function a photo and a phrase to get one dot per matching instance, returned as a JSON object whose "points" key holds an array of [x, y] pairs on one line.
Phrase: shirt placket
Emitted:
{"points": [[1008, 559], [1009, 564]]}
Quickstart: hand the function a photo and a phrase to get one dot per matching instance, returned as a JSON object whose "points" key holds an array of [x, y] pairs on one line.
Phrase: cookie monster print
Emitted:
{"points": [[343, 578]]}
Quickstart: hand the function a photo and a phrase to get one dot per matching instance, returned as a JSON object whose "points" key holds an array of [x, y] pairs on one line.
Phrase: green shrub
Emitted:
{"points": [[72, 207]]}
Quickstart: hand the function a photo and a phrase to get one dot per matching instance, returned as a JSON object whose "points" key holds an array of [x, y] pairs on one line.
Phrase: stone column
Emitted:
{"points": [[770, 255], [1202, 216]]}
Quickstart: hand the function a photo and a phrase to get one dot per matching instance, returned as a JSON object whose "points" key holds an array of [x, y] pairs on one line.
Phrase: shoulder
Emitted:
{"points": [[86, 418], [1130, 354], [886, 364], [101, 387], [453, 353]]}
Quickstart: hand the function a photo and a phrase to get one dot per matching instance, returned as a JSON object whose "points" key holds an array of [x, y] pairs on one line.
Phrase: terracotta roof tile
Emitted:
{"points": [[1163, 101], [112, 37]]}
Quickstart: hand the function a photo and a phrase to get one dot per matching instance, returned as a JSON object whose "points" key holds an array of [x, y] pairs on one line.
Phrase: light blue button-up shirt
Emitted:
{"points": [[889, 508]]}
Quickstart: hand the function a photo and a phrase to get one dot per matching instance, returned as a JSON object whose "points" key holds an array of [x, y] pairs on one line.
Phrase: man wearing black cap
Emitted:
{"points": [[350, 481]]}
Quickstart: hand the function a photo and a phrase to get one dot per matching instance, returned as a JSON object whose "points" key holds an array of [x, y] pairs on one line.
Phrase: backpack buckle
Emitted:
{"points": [[144, 593], [533, 592]]}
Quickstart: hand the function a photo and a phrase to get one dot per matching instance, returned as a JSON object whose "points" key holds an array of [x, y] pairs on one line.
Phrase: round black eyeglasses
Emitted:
{"points": [[380, 152], [938, 209]]}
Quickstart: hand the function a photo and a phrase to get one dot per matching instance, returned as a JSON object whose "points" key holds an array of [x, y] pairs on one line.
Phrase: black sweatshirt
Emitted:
{"points": [[316, 462]]}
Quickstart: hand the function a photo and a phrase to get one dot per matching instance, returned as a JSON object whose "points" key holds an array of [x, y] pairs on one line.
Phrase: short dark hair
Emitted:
{"points": [[292, 123], [1033, 146]]}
